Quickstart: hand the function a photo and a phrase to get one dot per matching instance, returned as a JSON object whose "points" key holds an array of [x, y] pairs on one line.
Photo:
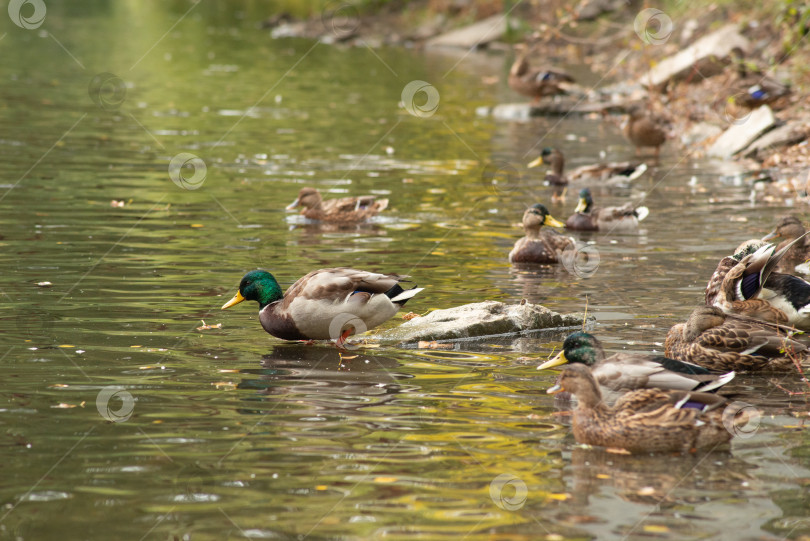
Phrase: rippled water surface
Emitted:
{"points": [[230, 433]]}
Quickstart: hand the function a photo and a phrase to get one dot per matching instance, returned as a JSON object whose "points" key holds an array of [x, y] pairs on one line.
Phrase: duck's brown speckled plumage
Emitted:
{"points": [[789, 229], [642, 421], [722, 342], [540, 246], [644, 129], [535, 82], [342, 210]]}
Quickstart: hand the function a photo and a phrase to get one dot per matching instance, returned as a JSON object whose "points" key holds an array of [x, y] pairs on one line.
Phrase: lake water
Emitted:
{"points": [[110, 268]]}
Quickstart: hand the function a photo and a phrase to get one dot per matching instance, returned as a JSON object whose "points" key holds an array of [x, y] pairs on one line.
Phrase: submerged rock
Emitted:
{"points": [[481, 319]]}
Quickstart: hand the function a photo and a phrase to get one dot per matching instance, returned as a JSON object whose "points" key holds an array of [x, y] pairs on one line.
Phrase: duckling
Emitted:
{"points": [[544, 246], [646, 420], [586, 217]]}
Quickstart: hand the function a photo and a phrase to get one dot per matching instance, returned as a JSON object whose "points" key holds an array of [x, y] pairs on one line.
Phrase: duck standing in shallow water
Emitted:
{"points": [[541, 246], [535, 82], [342, 210], [644, 129], [587, 217], [325, 304], [647, 420]]}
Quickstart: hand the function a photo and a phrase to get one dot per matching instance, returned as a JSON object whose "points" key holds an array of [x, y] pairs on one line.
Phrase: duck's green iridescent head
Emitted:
{"points": [[257, 285], [579, 347], [585, 201]]}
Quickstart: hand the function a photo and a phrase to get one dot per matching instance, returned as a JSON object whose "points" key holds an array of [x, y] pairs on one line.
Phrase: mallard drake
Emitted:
{"points": [[344, 209], [624, 372], [746, 284], [721, 342], [644, 129], [538, 82], [555, 176], [645, 420], [587, 217], [540, 246], [789, 229], [325, 304]]}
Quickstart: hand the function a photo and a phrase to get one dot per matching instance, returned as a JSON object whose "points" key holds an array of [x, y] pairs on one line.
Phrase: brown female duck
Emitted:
{"points": [[587, 217], [541, 246], [721, 342], [535, 82], [646, 420], [789, 229], [342, 210], [644, 129]]}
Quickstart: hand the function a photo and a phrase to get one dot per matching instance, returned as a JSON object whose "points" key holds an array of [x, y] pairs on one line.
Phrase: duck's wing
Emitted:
{"points": [[342, 285]]}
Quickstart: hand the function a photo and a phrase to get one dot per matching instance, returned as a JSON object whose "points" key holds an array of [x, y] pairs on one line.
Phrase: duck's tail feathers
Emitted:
{"points": [[641, 213], [716, 383], [640, 170], [401, 296]]}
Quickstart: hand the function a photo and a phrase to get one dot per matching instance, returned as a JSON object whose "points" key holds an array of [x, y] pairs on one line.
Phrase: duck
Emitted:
{"points": [[645, 420], [721, 342], [623, 372], [746, 284], [587, 217], [790, 228], [555, 176], [342, 210], [644, 129], [536, 82], [613, 174], [541, 246], [325, 304], [752, 88]]}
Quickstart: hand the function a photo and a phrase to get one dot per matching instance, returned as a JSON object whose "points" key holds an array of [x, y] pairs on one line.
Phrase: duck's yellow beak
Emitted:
{"points": [[293, 204], [535, 163], [582, 205], [553, 222], [235, 300], [559, 360]]}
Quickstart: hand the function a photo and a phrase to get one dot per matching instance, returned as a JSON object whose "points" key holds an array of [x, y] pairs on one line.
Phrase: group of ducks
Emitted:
{"points": [[753, 321], [637, 402]]}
